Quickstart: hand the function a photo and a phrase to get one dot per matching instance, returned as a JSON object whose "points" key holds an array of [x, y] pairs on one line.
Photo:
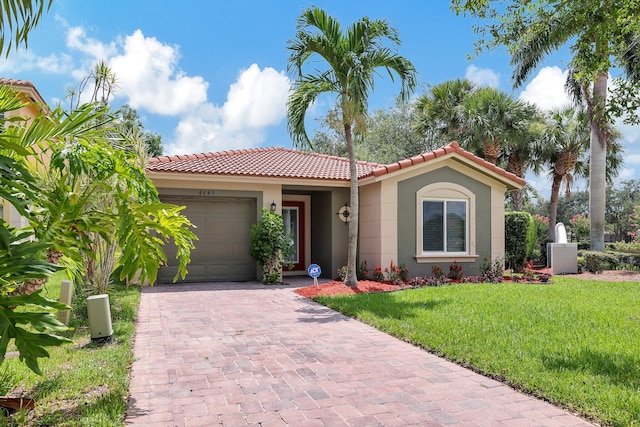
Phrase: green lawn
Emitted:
{"points": [[573, 342], [83, 384]]}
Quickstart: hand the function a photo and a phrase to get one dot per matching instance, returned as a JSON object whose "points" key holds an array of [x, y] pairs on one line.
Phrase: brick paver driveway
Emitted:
{"points": [[246, 354]]}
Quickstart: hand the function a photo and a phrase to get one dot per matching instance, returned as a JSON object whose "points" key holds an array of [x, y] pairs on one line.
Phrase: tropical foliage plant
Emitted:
{"points": [[60, 202], [270, 245]]}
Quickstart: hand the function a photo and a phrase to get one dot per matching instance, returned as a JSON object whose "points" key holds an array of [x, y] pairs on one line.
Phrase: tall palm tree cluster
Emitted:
{"points": [[514, 134]]}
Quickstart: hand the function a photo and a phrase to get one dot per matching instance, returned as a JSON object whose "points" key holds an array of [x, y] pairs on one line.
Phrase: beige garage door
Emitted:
{"points": [[222, 248]]}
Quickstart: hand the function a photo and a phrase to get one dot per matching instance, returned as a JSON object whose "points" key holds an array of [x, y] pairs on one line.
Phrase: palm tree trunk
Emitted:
{"points": [[517, 167], [30, 286], [352, 278], [597, 165], [553, 214], [492, 150]]}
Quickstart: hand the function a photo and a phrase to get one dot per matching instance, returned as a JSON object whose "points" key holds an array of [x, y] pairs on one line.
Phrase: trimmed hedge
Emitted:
{"points": [[595, 262], [519, 239]]}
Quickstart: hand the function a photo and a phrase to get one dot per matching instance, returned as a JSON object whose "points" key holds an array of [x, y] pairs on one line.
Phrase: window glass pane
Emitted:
{"points": [[432, 226], [456, 226], [290, 219]]}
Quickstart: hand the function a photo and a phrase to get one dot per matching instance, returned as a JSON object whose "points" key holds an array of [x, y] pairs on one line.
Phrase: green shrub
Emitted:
{"points": [[520, 239], [596, 262], [270, 245], [629, 248], [584, 245], [362, 272], [342, 273]]}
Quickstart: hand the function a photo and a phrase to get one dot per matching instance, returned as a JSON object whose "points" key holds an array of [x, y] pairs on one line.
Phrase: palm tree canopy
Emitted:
{"points": [[439, 108], [352, 58], [491, 116]]}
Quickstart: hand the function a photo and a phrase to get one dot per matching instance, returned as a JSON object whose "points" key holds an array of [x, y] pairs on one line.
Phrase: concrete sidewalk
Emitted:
{"points": [[235, 354]]}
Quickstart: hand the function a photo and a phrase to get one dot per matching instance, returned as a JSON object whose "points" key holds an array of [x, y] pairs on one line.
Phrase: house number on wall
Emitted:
{"points": [[206, 192]]}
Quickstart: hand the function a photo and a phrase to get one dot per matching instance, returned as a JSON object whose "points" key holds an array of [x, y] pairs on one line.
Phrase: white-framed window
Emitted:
{"points": [[445, 223], [444, 226]]}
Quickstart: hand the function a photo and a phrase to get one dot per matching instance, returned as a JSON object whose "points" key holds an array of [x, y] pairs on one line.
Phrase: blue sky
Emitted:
{"points": [[211, 75]]}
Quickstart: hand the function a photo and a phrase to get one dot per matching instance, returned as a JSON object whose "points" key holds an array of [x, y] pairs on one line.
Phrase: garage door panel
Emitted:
{"points": [[222, 250]]}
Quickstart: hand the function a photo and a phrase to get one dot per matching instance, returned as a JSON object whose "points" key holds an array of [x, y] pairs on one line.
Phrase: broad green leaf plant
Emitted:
{"points": [[58, 199]]}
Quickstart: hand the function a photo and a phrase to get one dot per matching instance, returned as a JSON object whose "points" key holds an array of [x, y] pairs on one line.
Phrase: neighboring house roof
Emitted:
{"points": [[264, 162], [26, 87], [287, 163]]}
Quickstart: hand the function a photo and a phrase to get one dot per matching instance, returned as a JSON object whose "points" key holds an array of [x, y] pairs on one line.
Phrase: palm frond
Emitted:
{"points": [[19, 17]]}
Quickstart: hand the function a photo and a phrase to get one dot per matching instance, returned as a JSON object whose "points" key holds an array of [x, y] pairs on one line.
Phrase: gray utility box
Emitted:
{"points": [[563, 257], [99, 316]]}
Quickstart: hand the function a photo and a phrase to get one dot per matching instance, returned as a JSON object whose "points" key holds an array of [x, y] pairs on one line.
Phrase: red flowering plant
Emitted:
{"points": [[396, 274], [437, 271], [634, 222], [455, 271], [378, 275]]}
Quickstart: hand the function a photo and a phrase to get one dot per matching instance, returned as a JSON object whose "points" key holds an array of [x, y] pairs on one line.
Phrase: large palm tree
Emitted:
{"points": [[499, 127], [564, 146], [352, 59], [603, 35], [564, 143], [485, 120], [491, 119], [439, 109]]}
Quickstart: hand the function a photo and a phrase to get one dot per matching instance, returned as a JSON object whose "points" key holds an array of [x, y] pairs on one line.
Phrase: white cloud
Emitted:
{"points": [[150, 80], [632, 159], [256, 101], [482, 76], [148, 76], [77, 39], [627, 174], [546, 90], [26, 60]]}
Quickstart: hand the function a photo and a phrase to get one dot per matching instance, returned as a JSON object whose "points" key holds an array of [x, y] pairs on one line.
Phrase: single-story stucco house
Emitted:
{"points": [[442, 206]]}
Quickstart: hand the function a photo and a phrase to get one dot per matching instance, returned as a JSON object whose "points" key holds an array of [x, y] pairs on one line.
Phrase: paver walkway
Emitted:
{"points": [[247, 354]]}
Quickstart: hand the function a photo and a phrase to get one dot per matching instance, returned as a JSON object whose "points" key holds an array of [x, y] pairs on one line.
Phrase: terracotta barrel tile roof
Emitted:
{"points": [[287, 163], [453, 147], [23, 84], [266, 162]]}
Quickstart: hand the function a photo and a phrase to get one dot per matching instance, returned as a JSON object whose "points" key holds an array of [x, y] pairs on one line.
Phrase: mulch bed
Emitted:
{"points": [[339, 288]]}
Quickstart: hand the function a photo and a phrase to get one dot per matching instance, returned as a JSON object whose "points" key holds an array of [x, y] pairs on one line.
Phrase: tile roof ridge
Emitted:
{"points": [[452, 147], [17, 82]]}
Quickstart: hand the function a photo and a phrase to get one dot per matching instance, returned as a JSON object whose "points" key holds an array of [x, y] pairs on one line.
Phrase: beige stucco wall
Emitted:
{"points": [[370, 224], [497, 222], [206, 186]]}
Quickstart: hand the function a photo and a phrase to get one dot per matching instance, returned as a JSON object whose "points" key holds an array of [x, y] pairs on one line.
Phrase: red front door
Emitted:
{"points": [[293, 218]]}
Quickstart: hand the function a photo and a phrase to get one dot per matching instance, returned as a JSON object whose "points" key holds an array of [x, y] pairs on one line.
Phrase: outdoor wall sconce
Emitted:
{"points": [[345, 213], [273, 206]]}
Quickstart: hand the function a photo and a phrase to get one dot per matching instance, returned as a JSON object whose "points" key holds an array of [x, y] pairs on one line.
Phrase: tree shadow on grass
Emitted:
{"points": [[618, 369]]}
